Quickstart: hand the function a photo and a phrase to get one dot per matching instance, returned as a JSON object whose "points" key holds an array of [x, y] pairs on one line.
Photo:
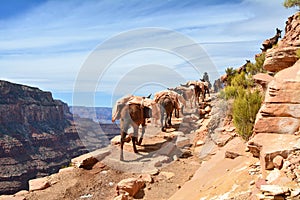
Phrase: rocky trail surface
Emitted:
{"points": [[166, 160], [198, 158], [183, 161]]}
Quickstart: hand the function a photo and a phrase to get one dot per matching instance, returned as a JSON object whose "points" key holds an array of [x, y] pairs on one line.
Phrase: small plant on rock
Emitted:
{"points": [[298, 53]]}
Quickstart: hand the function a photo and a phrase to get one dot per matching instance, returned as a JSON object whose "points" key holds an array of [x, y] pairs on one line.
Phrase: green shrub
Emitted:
{"points": [[229, 92], [230, 74], [291, 3], [257, 67], [245, 108], [298, 53], [245, 102]]}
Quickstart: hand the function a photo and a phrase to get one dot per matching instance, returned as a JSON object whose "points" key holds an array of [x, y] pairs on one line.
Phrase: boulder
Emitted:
{"points": [[280, 58], [177, 133], [146, 177], [66, 170], [115, 140], [281, 110], [274, 189], [39, 184], [281, 125], [21, 193], [167, 175], [122, 197], [207, 109], [260, 182], [221, 139], [11, 197], [273, 176], [166, 149], [278, 161], [271, 145], [86, 161], [182, 142], [282, 92], [236, 150], [262, 79], [130, 186], [231, 155], [199, 143], [159, 161]]}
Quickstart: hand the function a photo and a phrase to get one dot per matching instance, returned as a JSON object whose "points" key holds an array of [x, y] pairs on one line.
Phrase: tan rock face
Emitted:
{"points": [[280, 58], [262, 79], [284, 54], [130, 186], [38, 184], [280, 110], [268, 146], [282, 125]]}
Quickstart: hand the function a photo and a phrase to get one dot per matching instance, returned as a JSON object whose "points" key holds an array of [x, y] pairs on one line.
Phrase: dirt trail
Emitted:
{"points": [[174, 177], [100, 182]]}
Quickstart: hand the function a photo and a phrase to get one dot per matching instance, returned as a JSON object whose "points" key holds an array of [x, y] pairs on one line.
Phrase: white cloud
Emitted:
{"points": [[47, 46]]}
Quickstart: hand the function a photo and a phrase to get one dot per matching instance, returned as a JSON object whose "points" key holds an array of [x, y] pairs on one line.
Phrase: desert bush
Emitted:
{"points": [[298, 53], [291, 3], [257, 67], [229, 92], [230, 74], [245, 108], [239, 82]]}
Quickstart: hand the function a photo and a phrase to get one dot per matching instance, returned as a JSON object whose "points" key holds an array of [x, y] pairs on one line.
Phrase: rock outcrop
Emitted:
{"points": [[276, 131], [280, 110], [284, 54], [34, 139]]}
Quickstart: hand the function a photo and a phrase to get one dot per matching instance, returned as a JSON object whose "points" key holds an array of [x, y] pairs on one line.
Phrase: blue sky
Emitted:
{"points": [[46, 43]]}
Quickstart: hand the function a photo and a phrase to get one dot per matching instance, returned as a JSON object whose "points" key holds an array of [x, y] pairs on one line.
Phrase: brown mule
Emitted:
{"points": [[133, 115]]}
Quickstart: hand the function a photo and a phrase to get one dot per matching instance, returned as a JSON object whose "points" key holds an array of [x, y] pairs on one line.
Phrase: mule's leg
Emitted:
{"points": [[203, 96], [166, 120], [134, 137], [176, 111], [208, 92], [123, 136], [143, 132], [124, 129], [170, 118], [162, 114]]}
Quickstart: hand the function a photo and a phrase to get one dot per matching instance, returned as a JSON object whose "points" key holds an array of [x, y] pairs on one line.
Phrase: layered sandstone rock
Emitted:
{"points": [[280, 110], [284, 54]]}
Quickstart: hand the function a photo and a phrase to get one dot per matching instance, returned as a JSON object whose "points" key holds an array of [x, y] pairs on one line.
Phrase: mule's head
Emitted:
{"points": [[278, 32]]}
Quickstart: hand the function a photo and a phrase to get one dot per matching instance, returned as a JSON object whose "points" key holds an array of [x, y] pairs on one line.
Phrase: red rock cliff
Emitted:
{"points": [[36, 135]]}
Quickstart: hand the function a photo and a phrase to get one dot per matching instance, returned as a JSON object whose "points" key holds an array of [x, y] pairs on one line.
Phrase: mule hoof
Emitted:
{"points": [[163, 129], [140, 141]]}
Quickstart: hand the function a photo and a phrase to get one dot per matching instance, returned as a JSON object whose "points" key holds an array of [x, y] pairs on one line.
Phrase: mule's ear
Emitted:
{"points": [[149, 96], [247, 61]]}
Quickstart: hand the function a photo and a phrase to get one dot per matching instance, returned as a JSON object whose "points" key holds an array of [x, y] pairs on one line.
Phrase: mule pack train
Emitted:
{"points": [[134, 110]]}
